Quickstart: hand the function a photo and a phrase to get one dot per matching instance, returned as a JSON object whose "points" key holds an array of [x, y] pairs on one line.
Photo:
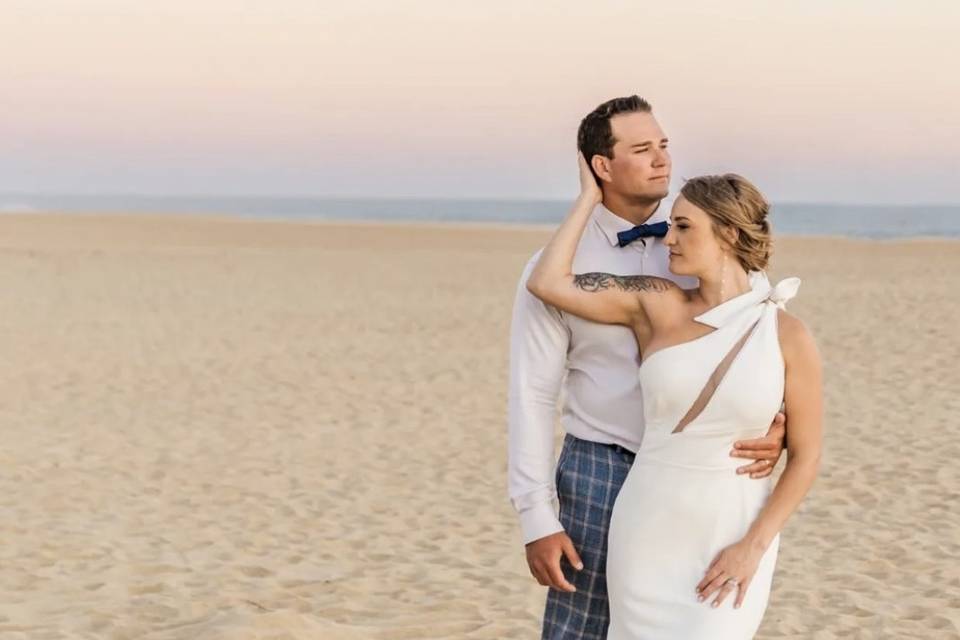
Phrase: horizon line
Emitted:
{"points": [[472, 198]]}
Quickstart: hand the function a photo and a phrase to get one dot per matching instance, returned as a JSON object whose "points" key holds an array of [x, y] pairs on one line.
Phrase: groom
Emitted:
{"points": [[596, 367]]}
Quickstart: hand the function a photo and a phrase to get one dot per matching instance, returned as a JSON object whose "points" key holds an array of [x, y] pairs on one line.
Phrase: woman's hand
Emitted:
{"points": [[589, 189], [733, 568]]}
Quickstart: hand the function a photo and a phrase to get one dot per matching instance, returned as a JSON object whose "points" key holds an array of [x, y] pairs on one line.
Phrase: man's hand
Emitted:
{"points": [[543, 558], [765, 451]]}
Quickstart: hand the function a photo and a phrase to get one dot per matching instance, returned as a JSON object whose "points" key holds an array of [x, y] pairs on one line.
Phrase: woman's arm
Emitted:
{"points": [[601, 297], [803, 396]]}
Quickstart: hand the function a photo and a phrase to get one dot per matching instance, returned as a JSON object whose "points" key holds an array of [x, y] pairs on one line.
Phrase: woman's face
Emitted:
{"points": [[694, 246]]}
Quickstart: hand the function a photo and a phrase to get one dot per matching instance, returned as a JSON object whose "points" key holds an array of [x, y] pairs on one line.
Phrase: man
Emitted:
{"points": [[597, 367]]}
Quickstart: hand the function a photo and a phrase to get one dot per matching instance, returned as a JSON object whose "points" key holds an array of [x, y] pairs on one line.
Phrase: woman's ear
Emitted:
{"points": [[730, 234]]}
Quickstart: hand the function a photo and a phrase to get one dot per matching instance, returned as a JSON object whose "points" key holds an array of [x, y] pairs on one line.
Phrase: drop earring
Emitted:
{"points": [[723, 278]]}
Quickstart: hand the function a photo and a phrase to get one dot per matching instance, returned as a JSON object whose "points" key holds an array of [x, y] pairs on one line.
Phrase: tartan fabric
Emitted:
{"points": [[589, 476]]}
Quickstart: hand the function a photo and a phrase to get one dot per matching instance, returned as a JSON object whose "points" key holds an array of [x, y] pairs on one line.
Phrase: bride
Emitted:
{"points": [[692, 547]]}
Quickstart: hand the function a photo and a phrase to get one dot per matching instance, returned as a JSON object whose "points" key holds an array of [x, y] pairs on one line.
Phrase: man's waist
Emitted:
{"points": [[575, 426]]}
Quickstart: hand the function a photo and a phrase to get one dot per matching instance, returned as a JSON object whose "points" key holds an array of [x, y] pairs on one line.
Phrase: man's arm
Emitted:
{"points": [[538, 355], [538, 362]]}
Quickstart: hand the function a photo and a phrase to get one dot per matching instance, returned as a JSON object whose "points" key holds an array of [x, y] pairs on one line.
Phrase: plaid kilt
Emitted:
{"points": [[589, 476]]}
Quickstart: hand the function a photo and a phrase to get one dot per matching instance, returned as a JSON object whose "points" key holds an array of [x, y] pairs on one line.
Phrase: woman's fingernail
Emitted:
{"points": [[699, 598], [579, 566], [715, 605]]}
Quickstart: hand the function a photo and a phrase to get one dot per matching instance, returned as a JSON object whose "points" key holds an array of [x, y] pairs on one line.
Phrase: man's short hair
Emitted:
{"points": [[595, 137]]}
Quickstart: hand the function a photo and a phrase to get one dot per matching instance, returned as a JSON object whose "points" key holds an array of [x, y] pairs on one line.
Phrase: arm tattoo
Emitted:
{"points": [[596, 281]]}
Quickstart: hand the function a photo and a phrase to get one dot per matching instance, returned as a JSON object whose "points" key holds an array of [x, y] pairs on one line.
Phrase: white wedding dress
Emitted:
{"points": [[682, 501]]}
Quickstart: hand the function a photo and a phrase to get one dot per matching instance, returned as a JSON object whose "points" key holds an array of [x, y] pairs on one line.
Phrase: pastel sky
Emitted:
{"points": [[853, 101]]}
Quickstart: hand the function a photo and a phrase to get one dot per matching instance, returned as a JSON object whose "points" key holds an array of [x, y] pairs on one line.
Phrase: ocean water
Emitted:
{"points": [[867, 221]]}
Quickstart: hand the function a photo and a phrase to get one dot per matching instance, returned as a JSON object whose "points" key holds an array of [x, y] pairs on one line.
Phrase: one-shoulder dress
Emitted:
{"points": [[682, 502]]}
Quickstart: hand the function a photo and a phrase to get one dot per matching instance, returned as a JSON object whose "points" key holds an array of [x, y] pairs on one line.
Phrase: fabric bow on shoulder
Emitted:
{"points": [[763, 293], [785, 290]]}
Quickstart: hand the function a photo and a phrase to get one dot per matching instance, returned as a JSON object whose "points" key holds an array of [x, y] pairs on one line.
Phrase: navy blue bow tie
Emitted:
{"points": [[656, 230]]}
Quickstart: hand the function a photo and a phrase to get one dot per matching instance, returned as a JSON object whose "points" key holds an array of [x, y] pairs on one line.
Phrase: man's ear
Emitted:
{"points": [[601, 167]]}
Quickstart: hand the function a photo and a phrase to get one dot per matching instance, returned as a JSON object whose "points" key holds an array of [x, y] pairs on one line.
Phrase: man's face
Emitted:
{"points": [[640, 167]]}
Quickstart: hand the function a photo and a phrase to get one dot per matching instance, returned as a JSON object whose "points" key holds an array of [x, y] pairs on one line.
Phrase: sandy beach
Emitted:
{"points": [[228, 429]]}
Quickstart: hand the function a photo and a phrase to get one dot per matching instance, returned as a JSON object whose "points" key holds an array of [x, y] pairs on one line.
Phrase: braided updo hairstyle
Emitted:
{"points": [[732, 201]]}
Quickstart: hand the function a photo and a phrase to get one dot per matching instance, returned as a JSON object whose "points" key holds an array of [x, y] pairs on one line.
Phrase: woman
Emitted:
{"points": [[692, 546]]}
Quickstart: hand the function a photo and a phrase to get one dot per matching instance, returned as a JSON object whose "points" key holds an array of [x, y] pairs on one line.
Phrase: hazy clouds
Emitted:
{"points": [[820, 101]]}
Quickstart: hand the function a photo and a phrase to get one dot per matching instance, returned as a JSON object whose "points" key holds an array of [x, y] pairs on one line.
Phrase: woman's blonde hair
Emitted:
{"points": [[732, 201]]}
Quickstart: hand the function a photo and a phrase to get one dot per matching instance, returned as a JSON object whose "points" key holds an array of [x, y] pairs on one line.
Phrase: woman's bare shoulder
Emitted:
{"points": [[796, 339], [669, 303]]}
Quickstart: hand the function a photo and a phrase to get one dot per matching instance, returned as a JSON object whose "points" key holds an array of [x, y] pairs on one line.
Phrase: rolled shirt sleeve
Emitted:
{"points": [[539, 340]]}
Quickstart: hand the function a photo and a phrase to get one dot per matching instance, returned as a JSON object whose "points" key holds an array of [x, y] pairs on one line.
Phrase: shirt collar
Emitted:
{"points": [[611, 224]]}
